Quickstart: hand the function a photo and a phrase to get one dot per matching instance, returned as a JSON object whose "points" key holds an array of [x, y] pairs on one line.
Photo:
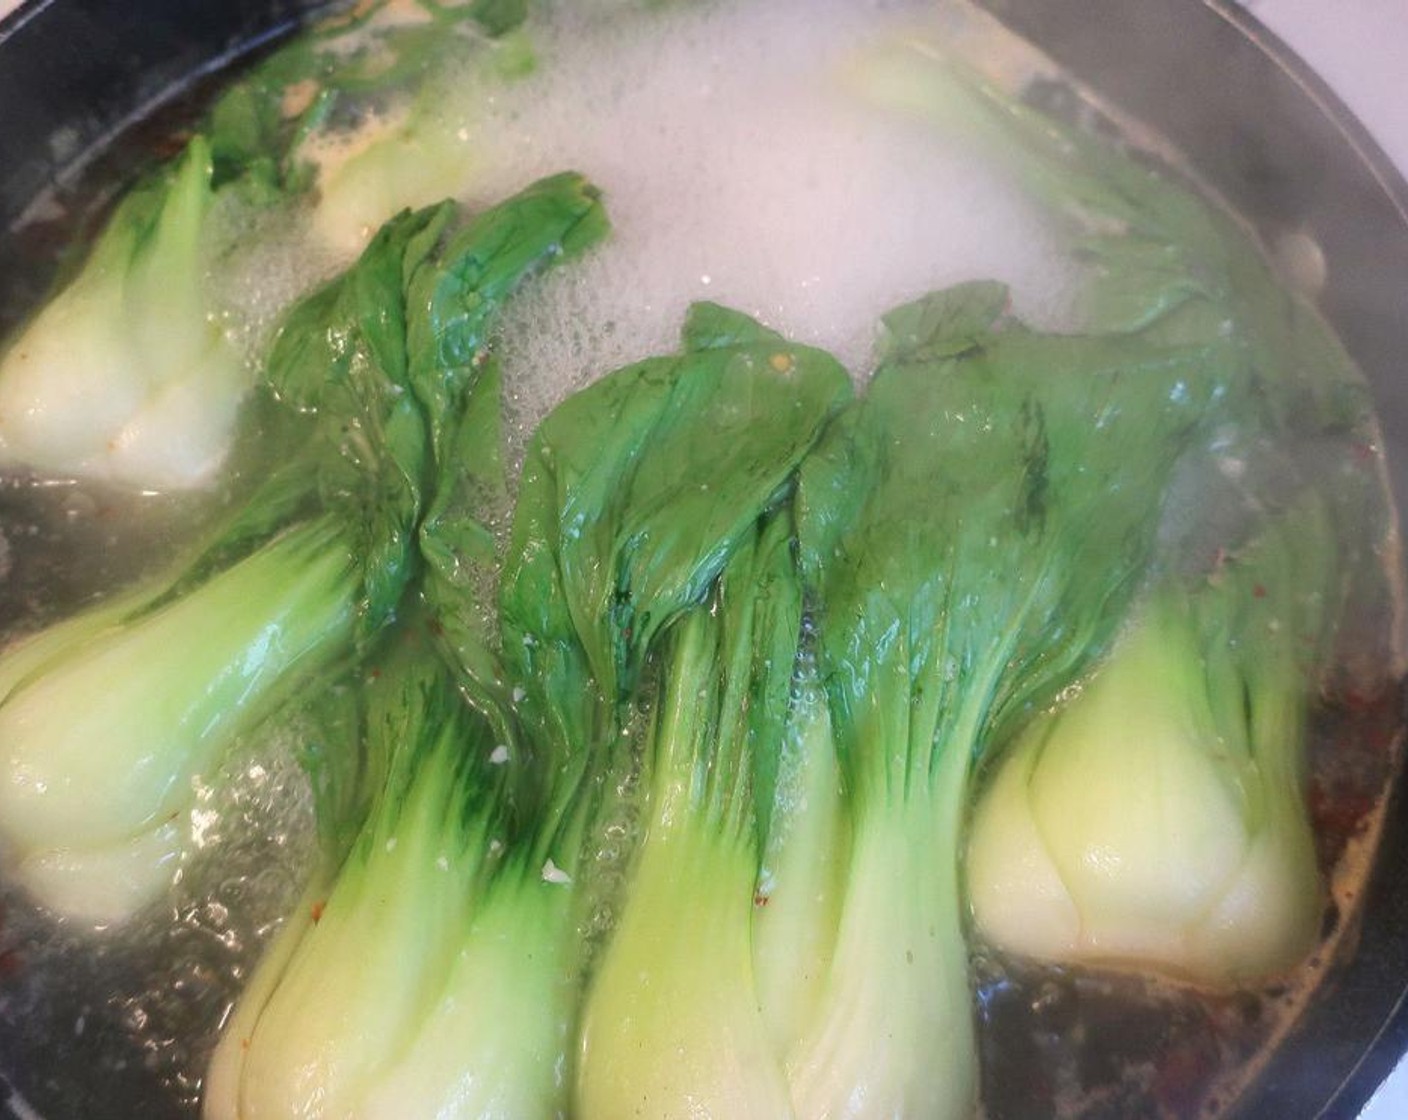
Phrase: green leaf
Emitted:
{"points": [[457, 381], [943, 324], [498, 17], [636, 491], [645, 482], [971, 533]]}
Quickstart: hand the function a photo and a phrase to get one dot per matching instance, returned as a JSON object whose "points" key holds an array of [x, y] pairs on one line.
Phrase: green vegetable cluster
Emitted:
{"points": [[656, 800], [133, 373], [107, 719]]}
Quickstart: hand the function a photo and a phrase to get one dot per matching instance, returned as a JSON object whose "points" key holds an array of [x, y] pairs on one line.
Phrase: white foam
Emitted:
{"points": [[737, 167]]}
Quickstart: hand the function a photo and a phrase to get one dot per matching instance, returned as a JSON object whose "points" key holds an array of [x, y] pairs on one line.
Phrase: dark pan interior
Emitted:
{"points": [[1258, 126]]}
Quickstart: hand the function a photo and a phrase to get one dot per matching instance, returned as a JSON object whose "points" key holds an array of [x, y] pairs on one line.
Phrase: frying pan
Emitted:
{"points": [[1257, 126]]}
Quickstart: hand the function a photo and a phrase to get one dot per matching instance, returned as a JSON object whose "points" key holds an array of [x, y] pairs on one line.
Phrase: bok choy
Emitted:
{"points": [[132, 373], [970, 534], [126, 374], [1157, 818], [674, 1026], [352, 994], [481, 929], [105, 727], [639, 495]]}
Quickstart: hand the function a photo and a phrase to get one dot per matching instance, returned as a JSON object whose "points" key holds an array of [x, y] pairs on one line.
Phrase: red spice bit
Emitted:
{"points": [[168, 147], [1357, 700], [434, 627], [1236, 1023], [1337, 813], [760, 900], [1258, 592], [374, 673], [244, 1044], [11, 962], [1182, 1078], [1378, 712], [1382, 736], [316, 910]]}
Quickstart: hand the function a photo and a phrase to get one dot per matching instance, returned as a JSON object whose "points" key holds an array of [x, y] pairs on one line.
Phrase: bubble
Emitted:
{"points": [[737, 167]]}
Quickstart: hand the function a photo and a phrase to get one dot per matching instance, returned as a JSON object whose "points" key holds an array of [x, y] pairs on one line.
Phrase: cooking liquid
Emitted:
{"points": [[122, 1021]]}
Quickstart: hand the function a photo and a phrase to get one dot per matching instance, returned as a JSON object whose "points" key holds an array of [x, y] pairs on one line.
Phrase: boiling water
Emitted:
{"points": [[737, 165], [784, 196]]}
